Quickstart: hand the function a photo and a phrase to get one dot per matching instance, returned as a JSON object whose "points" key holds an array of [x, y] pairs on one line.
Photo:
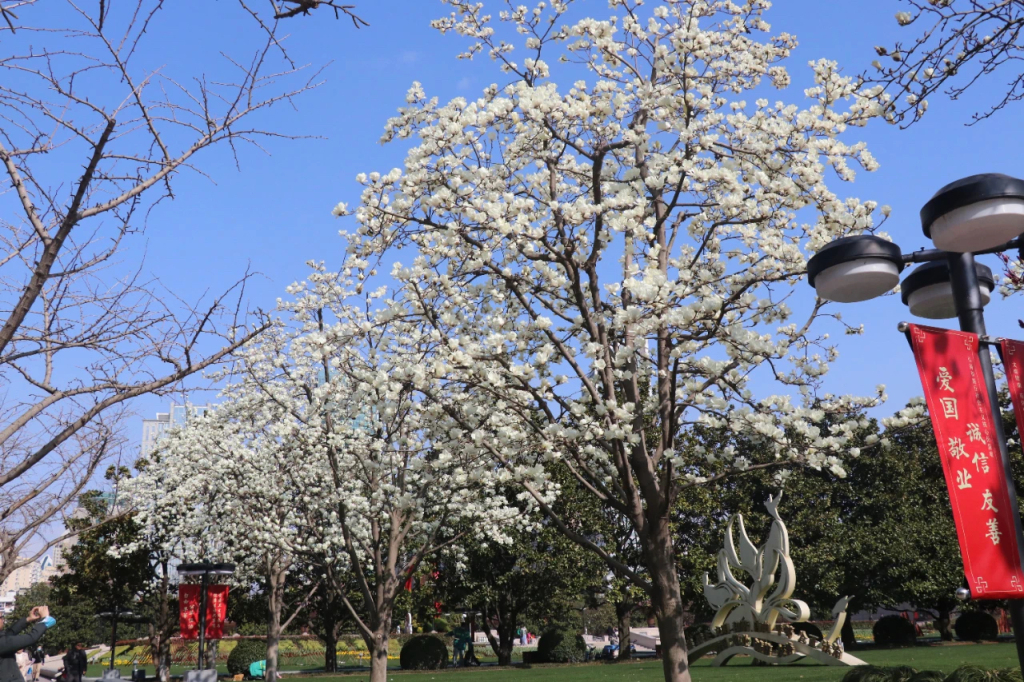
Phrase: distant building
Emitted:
{"points": [[23, 577], [153, 429], [7, 600]]}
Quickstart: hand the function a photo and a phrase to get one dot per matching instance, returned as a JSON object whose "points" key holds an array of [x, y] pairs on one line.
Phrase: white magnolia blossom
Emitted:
{"points": [[324, 449], [603, 253]]}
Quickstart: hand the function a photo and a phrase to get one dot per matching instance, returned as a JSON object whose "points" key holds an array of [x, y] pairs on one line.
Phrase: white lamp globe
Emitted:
{"points": [[854, 269], [928, 291], [975, 213]]}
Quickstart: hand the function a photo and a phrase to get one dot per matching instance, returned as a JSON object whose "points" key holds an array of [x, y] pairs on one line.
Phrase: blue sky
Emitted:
{"points": [[274, 214]]}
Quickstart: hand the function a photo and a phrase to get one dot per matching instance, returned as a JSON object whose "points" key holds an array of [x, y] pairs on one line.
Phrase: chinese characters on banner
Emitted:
{"points": [[954, 388], [1013, 360], [216, 610]]}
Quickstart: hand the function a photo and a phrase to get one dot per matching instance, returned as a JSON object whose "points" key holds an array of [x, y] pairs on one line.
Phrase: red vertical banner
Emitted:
{"points": [[216, 610], [954, 388], [188, 610], [1013, 360]]}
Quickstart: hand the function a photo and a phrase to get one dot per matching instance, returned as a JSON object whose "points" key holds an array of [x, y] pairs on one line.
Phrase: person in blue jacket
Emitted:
{"points": [[20, 636]]}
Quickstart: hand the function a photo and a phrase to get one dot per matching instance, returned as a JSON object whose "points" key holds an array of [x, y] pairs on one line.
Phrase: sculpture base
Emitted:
{"points": [[727, 647]]}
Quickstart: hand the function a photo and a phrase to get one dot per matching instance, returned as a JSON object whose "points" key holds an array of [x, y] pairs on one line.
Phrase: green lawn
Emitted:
{"points": [[944, 658]]}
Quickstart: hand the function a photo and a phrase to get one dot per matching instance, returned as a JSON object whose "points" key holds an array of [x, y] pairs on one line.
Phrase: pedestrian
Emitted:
{"points": [[18, 636], [38, 659], [461, 641], [24, 664], [522, 637], [75, 663]]}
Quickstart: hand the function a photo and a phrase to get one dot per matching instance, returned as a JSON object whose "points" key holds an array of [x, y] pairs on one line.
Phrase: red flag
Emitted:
{"points": [[216, 610], [188, 611], [954, 388]]}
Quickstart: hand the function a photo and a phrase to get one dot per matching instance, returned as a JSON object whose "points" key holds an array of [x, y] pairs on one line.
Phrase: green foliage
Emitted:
{"points": [[539, 580], [929, 676], [247, 609], [78, 622], [561, 646], [440, 625], [973, 626], [870, 673], [811, 629], [973, 673], [884, 534], [97, 580], [894, 631], [245, 653], [424, 652], [698, 633]]}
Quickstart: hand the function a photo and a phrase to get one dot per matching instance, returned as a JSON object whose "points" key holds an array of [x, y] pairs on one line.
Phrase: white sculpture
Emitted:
{"points": [[767, 599]]}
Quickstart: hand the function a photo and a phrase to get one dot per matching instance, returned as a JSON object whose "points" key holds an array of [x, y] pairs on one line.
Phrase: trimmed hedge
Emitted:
{"points": [[894, 631], [870, 673], [972, 673], [562, 646], [245, 653], [973, 626], [424, 652]]}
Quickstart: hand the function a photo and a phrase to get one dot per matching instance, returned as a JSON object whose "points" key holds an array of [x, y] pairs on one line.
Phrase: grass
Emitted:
{"points": [[944, 658]]}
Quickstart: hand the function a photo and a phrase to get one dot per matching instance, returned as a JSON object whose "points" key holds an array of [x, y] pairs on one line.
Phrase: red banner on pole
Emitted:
{"points": [[216, 610], [954, 388], [1013, 360], [188, 611]]}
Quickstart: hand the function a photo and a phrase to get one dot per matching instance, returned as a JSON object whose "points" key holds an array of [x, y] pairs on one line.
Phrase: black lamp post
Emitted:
{"points": [[205, 570], [115, 615], [975, 215]]}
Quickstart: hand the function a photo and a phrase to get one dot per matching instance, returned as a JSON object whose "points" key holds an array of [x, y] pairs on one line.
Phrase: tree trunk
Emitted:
{"points": [[160, 639], [275, 599], [667, 601], [378, 647], [211, 653], [330, 642], [506, 641], [623, 611], [944, 624]]}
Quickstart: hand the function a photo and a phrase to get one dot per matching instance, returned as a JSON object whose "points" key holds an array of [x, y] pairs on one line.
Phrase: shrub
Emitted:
{"points": [[698, 633], [562, 646], [424, 652], [929, 676], [973, 626], [972, 673], [870, 673], [811, 629], [440, 625], [245, 653], [901, 673], [894, 631]]}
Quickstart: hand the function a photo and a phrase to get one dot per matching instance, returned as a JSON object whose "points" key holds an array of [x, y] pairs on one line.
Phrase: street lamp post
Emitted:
{"points": [[204, 570], [976, 215], [117, 615]]}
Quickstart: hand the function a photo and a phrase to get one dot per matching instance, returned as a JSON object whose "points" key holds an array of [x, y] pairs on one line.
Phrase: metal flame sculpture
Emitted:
{"points": [[747, 616]]}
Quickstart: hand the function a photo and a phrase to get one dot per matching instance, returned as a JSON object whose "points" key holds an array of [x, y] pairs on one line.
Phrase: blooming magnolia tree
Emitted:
{"points": [[325, 447], [218, 489], [606, 251]]}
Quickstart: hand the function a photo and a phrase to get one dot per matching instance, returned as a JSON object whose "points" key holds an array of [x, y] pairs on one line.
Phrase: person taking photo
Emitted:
{"points": [[21, 636]]}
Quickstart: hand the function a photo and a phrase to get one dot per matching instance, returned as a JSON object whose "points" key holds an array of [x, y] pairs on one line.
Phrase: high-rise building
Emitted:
{"points": [[23, 577], [153, 429]]}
